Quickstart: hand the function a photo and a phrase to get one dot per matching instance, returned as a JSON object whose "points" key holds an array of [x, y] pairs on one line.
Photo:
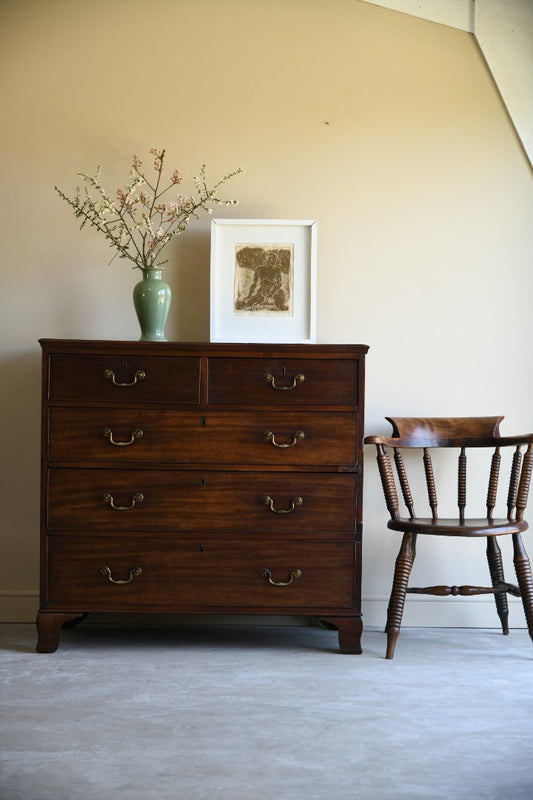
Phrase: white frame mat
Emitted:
{"points": [[294, 321]]}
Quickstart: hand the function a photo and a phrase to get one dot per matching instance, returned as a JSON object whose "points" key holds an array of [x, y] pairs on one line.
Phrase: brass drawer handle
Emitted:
{"points": [[295, 438], [140, 375], [295, 573], [108, 498], [296, 501], [134, 572], [136, 434], [268, 378]]}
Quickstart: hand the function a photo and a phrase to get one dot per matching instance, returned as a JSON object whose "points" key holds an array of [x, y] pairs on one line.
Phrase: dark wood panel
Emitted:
{"points": [[140, 378], [197, 349], [200, 501], [199, 574], [299, 381], [297, 438]]}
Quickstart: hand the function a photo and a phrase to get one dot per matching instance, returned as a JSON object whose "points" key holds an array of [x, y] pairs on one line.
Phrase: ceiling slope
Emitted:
{"points": [[504, 32]]}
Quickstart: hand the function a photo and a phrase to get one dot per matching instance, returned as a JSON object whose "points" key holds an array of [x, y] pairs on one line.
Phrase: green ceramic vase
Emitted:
{"points": [[151, 299]]}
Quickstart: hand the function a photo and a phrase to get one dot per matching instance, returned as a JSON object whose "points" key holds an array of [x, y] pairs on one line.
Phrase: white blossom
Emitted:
{"points": [[137, 224]]}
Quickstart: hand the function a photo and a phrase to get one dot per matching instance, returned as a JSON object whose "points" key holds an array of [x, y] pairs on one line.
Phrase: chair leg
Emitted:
{"points": [[402, 571], [525, 579], [494, 557]]}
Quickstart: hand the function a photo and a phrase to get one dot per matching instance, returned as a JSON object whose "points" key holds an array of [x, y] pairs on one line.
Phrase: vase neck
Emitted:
{"points": [[152, 273]]}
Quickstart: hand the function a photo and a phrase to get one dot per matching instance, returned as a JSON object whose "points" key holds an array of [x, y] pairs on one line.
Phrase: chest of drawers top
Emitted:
{"points": [[198, 374]]}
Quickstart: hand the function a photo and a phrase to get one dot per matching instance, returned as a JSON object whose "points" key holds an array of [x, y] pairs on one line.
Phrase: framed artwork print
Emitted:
{"points": [[263, 280]]}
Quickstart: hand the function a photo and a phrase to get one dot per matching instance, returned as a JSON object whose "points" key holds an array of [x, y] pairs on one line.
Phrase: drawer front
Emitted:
{"points": [[107, 500], [276, 381], [267, 438], [117, 378], [191, 574]]}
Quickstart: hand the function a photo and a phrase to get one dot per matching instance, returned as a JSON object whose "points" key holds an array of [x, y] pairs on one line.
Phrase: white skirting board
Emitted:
{"points": [[420, 611], [444, 612]]}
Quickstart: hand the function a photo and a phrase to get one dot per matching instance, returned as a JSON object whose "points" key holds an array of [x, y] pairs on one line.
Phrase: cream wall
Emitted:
{"points": [[385, 128]]}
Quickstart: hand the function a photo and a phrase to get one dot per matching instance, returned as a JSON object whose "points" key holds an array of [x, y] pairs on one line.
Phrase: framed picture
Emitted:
{"points": [[263, 280]]}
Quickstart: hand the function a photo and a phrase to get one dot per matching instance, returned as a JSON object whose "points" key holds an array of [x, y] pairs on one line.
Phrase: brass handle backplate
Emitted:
{"points": [[140, 375], [268, 378], [134, 572], [108, 498], [295, 573], [136, 434], [296, 501], [271, 437]]}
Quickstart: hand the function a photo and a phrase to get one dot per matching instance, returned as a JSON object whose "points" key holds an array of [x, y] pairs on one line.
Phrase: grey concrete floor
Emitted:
{"points": [[257, 713]]}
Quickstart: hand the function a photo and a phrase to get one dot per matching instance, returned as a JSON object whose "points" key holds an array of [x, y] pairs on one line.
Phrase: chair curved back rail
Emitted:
{"points": [[456, 432], [462, 434]]}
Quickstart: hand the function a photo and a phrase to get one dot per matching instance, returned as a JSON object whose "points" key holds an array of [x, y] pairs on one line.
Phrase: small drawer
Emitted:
{"points": [[278, 381], [110, 575], [136, 500], [123, 435], [279, 438], [118, 378]]}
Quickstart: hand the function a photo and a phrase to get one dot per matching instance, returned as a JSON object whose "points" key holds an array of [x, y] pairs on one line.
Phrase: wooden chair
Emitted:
{"points": [[462, 433]]}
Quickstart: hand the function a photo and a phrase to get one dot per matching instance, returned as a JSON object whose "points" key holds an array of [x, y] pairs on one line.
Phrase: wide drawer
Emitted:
{"points": [[268, 438], [134, 500], [278, 381], [123, 379], [110, 574]]}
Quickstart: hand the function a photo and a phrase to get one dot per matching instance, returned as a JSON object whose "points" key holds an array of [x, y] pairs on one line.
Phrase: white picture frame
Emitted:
{"points": [[263, 281]]}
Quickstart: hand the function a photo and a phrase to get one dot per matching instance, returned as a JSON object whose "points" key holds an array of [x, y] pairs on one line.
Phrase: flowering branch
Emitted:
{"points": [[137, 223]]}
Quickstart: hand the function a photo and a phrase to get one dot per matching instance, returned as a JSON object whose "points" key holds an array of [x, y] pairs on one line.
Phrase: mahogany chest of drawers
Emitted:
{"points": [[201, 478]]}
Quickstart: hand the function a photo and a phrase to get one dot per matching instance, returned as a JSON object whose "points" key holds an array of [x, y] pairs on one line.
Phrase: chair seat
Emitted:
{"points": [[456, 527]]}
